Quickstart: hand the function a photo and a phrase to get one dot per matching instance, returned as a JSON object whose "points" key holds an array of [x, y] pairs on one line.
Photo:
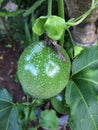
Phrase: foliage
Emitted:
{"points": [[82, 90], [8, 112], [26, 24], [49, 120]]}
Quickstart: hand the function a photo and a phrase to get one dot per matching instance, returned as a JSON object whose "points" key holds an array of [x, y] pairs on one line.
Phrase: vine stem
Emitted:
{"points": [[33, 7], [93, 4], [61, 8], [71, 38], [84, 16], [49, 8], [30, 109], [6, 30], [61, 14]]}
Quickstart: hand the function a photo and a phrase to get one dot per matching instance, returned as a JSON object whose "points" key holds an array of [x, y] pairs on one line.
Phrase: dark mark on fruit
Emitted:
{"points": [[57, 47], [51, 43]]}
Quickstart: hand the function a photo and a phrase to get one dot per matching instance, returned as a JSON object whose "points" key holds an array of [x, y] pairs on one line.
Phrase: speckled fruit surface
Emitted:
{"points": [[42, 73]]}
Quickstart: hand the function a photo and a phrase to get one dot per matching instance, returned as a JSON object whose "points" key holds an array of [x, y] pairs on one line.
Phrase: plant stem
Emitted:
{"points": [[72, 41], [49, 7], [33, 7], [83, 16], [93, 4], [28, 117], [61, 14], [6, 31], [61, 8]]}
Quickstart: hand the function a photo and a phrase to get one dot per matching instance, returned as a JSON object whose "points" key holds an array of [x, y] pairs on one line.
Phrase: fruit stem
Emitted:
{"points": [[61, 14], [49, 8]]}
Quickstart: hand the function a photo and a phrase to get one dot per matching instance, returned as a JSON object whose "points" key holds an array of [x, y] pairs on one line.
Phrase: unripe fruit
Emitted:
{"points": [[42, 72]]}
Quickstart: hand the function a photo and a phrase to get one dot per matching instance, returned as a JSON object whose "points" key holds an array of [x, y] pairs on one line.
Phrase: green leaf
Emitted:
{"points": [[55, 27], [33, 113], [23, 110], [28, 35], [87, 58], [38, 27], [82, 91], [8, 112], [4, 95], [49, 120], [77, 50], [83, 101]]}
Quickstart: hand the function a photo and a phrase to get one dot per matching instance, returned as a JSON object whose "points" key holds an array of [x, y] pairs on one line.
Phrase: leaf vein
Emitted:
{"points": [[87, 80], [86, 106], [85, 67]]}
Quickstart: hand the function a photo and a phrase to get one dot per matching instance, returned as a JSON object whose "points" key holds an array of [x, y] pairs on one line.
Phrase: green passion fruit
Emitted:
{"points": [[42, 72], [59, 103]]}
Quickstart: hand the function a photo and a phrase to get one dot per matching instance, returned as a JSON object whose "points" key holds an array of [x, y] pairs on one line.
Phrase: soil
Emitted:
{"points": [[8, 67]]}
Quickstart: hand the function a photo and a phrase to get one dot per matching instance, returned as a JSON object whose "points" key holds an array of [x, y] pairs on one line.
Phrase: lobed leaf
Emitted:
{"points": [[83, 101], [82, 90], [8, 112], [86, 59]]}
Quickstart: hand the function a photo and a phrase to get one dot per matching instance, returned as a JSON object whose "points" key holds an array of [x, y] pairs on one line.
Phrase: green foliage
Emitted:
{"points": [[55, 27], [82, 90], [49, 120], [8, 112], [23, 112], [38, 27], [16, 116], [77, 50], [33, 113], [87, 60]]}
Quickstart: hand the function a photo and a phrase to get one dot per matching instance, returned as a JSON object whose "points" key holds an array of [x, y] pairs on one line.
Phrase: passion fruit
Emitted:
{"points": [[59, 104], [42, 72]]}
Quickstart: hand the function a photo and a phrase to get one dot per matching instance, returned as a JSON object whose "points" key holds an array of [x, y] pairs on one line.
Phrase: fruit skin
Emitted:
{"points": [[42, 73]]}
